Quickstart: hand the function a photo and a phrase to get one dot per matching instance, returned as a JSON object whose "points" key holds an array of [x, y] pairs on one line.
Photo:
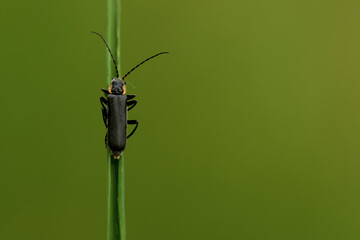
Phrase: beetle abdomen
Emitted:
{"points": [[117, 123]]}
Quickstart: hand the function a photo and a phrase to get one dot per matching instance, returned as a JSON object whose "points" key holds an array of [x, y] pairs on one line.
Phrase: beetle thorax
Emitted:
{"points": [[117, 87]]}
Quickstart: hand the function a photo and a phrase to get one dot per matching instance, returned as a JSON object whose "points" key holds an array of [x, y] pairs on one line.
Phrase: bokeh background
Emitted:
{"points": [[249, 129]]}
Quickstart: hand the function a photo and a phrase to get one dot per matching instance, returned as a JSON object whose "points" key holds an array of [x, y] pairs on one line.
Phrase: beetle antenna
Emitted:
{"points": [[117, 72], [142, 63]]}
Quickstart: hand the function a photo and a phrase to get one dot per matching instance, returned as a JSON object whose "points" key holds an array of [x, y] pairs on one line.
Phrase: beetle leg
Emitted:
{"points": [[130, 96], [131, 122], [131, 104], [105, 91], [103, 102]]}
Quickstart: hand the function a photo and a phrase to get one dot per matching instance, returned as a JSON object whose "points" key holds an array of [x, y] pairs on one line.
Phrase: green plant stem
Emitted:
{"points": [[116, 185], [116, 221], [113, 37]]}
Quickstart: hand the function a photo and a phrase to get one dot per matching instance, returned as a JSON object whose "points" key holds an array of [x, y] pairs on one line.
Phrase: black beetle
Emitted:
{"points": [[115, 106]]}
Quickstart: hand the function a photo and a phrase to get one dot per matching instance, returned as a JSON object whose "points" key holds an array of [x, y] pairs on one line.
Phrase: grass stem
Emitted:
{"points": [[116, 185]]}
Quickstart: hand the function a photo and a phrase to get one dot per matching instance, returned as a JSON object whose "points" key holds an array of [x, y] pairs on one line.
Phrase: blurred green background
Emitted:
{"points": [[249, 129]]}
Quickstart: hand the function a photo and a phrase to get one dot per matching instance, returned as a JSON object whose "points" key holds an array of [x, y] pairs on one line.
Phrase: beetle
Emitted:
{"points": [[115, 106]]}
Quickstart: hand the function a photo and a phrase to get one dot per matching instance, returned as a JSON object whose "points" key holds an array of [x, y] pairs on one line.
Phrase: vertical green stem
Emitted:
{"points": [[113, 36], [116, 207], [116, 214]]}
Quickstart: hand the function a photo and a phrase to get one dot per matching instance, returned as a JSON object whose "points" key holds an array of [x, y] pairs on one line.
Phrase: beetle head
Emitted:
{"points": [[117, 87]]}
